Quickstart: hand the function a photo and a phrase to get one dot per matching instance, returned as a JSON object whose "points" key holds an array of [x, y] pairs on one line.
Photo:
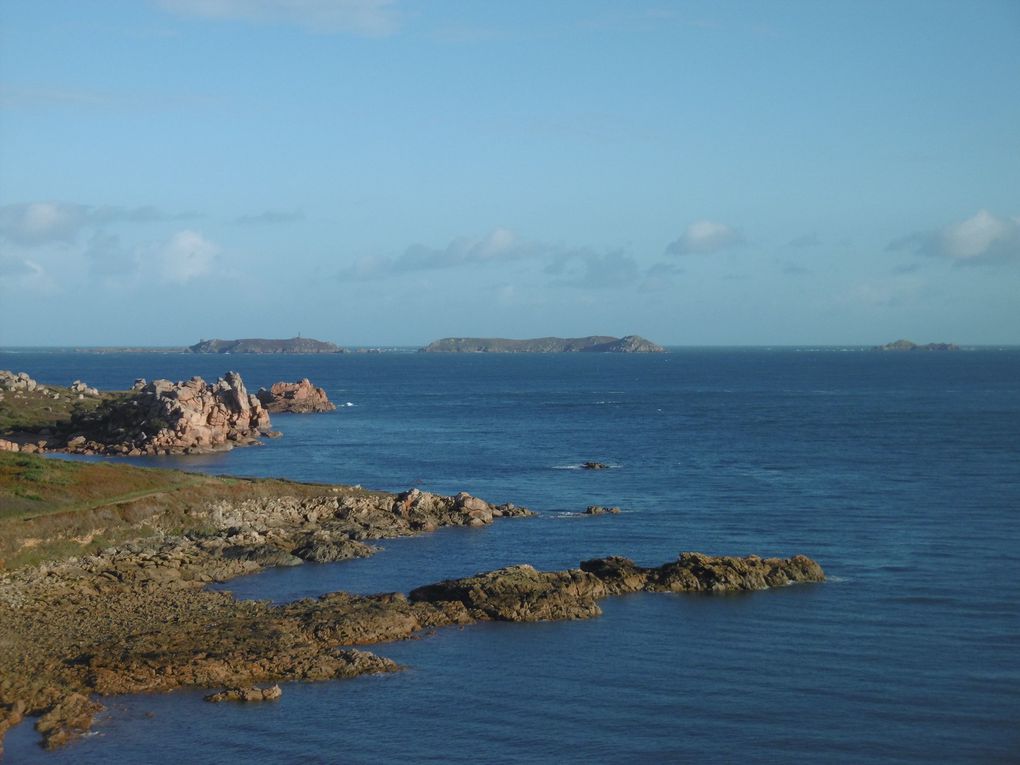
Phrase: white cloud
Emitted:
{"points": [[979, 235], [270, 217], [499, 245], [980, 238], [13, 267], [592, 270], [108, 258], [660, 277], [370, 18], [705, 236], [36, 223], [188, 255], [25, 275]]}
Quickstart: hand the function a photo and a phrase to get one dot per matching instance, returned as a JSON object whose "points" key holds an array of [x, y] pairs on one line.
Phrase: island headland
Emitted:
{"points": [[592, 344], [261, 345], [907, 345]]}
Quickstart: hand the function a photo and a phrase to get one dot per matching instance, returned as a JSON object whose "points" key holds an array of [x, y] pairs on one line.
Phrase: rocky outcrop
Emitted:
{"points": [[907, 345], [695, 572], [299, 397], [68, 718], [16, 381], [600, 510], [246, 694], [163, 417], [591, 344], [83, 390], [520, 593], [261, 345]]}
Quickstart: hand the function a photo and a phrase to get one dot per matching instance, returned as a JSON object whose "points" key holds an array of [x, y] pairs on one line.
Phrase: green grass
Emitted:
{"points": [[37, 410]]}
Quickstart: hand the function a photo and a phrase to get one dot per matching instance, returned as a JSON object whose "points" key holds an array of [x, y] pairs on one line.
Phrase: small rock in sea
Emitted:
{"points": [[246, 694], [600, 510], [594, 465], [298, 397]]}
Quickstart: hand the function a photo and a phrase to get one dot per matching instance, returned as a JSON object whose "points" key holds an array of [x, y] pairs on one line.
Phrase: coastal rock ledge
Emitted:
{"points": [[164, 417]]}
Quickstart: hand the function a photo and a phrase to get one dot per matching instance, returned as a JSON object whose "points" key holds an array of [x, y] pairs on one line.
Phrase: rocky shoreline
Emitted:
{"points": [[158, 417], [138, 617]]}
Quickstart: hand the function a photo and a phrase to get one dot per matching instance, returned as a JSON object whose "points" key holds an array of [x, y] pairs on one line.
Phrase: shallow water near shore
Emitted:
{"points": [[899, 473]]}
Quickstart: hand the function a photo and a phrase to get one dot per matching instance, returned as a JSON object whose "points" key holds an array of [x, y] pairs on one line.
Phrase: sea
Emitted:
{"points": [[898, 472]]}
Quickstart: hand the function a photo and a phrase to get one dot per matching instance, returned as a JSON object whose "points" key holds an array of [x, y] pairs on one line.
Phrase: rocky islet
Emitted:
{"points": [[299, 397]]}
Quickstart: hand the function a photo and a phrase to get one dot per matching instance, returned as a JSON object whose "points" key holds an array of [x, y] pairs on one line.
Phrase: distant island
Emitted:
{"points": [[260, 345], [907, 345], [593, 344]]}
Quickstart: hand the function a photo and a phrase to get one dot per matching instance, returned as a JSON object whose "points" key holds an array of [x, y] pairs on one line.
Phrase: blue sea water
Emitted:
{"points": [[899, 473]]}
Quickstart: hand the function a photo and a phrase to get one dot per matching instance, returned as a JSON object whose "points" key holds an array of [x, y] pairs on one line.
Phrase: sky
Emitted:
{"points": [[388, 172]]}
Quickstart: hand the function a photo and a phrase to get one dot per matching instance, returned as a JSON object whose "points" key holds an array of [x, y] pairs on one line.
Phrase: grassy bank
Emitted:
{"points": [[51, 509], [48, 407]]}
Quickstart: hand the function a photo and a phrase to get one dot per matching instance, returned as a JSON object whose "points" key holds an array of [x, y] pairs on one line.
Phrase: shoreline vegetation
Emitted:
{"points": [[104, 567]]}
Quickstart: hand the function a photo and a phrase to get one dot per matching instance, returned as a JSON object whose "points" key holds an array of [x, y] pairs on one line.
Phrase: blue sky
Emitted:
{"points": [[393, 171]]}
